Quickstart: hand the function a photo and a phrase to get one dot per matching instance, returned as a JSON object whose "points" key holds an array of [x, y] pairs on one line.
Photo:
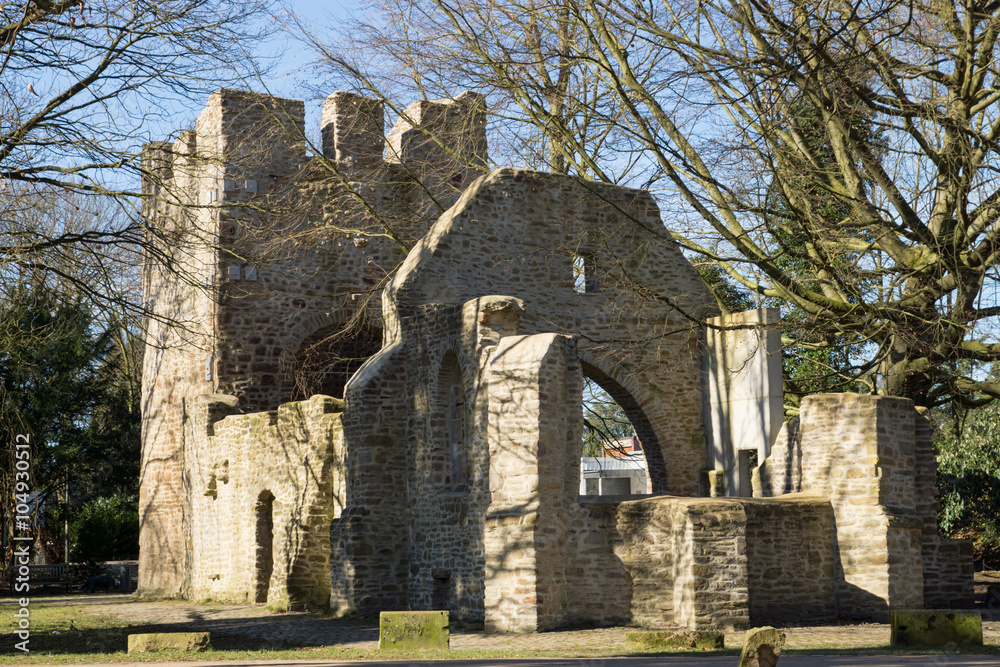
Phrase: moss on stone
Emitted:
{"points": [[413, 631], [651, 641], [761, 647], [169, 641], [935, 627]]}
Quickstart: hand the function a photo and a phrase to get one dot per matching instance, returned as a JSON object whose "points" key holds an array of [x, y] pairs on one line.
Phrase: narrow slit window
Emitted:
{"points": [[585, 274]]}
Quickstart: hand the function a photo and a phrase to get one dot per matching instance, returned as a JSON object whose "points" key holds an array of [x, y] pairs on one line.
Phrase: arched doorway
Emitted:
{"points": [[264, 560], [327, 359], [620, 454]]}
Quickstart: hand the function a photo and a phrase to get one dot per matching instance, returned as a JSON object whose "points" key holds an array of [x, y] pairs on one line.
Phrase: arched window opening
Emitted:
{"points": [[327, 359], [264, 565], [620, 454], [452, 456]]}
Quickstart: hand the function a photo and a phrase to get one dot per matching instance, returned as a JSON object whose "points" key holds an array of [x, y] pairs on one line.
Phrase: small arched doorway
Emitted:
{"points": [[620, 452], [264, 542]]}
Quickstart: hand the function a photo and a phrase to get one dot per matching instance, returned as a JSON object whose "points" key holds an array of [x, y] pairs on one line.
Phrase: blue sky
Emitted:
{"points": [[291, 57], [288, 59]]}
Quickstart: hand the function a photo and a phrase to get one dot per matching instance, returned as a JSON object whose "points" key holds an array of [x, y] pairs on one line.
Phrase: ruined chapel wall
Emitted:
{"points": [[449, 489], [295, 454], [370, 541], [873, 457], [516, 233], [949, 575], [860, 452]]}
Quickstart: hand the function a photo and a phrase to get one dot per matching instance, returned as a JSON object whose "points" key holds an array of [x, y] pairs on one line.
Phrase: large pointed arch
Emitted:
{"points": [[655, 466]]}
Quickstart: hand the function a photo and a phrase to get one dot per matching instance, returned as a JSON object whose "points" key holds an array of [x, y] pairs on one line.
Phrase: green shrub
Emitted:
{"points": [[968, 450], [105, 529]]}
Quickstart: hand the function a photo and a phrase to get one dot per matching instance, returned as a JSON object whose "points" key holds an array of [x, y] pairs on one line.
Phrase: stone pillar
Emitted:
{"points": [[710, 565], [535, 387], [743, 391], [859, 451]]}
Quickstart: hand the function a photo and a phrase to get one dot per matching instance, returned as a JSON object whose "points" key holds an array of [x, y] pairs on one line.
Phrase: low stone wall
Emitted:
{"points": [[948, 574], [661, 561], [791, 564], [600, 587], [264, 488], [703, 562]]}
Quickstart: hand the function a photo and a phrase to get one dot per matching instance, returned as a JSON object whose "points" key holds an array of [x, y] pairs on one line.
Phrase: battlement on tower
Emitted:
{"points": [[241, 132]]}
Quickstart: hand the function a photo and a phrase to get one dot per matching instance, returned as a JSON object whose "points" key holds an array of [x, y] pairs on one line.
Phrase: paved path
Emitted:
{"points": [[724, 661], [313, 629]]}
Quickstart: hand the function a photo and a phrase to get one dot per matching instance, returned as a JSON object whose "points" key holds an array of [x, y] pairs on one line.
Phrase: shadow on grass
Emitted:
{"points": [[65, 630], [115, 640]]}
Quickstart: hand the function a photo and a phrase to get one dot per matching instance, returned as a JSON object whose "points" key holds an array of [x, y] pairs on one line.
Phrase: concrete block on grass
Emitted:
{"points": [[191, 642], [413, 631], [935, 627], [653, 641], [761, 647]]}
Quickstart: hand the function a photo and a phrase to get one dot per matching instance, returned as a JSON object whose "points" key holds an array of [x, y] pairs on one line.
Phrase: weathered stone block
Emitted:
{"points": [[761, 647], [652, 641], [928, 627], [413, 631], [169, 641]]}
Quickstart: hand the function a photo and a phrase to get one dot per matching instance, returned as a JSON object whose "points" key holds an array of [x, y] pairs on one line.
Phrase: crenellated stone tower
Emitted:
{"points": [[266, 265]]}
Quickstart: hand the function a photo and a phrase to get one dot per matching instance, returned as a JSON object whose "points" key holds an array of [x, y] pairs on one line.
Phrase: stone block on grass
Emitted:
{"points": [[413, 631], [935, 627], [761, 647], [662, 640], [190, 642]]}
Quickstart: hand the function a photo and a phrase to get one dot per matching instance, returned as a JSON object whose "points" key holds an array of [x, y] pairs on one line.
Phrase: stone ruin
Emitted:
{"points": [[443, 472]]}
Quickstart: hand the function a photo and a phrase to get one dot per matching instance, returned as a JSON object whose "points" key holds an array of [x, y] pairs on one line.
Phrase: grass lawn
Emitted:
{"points": [[69, 633]]}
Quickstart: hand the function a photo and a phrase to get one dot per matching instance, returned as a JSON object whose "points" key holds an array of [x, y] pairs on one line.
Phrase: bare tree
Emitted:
{"points": [[836, 157], [82, 86]]}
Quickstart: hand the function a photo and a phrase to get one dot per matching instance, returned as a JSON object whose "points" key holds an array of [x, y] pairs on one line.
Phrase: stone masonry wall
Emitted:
{"points": [[791, 559], [269, 258], [406, 398], [949, 575], [703, 563], [288, 463], [871, 457]]}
